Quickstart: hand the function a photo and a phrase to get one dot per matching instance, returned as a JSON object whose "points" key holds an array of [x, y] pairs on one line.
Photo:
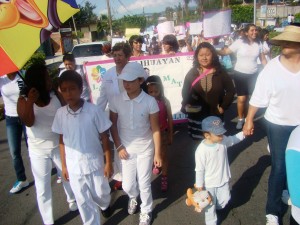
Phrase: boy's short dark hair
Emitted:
{"points": [[69, 57], [71, 75]]}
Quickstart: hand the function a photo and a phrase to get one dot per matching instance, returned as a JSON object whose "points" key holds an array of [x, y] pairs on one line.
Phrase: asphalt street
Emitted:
{"points": [[250, 168]]}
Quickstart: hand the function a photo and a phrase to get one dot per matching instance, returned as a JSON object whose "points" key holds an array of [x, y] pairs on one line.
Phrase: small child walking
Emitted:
{"points": [[136, 133], [212, 167], [80, 125], [155, 89]]}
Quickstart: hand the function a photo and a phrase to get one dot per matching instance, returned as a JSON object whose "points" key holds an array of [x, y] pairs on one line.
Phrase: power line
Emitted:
{"points": [[124, 6]]}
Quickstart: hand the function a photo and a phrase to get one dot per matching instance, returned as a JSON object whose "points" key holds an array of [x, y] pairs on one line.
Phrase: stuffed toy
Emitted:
{"points": [[199, 199]]}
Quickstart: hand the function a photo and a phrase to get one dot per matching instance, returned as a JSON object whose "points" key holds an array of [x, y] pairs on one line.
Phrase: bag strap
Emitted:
{"points": [[202, 75]]}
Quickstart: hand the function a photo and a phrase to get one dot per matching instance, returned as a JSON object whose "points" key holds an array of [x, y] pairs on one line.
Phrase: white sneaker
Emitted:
{"points": [[145, 219], [132, 205], [18, 186], [58, 180], [240, 124], [73, 206], [272, 220], [285, 197]]}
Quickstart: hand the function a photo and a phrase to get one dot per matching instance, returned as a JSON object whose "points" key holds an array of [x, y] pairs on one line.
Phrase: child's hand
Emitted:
{"points": [[248, 128], [33, 95], [123, 154], [199, 188], [65, 173], [108, 170], [157, 160], [220, 109]]}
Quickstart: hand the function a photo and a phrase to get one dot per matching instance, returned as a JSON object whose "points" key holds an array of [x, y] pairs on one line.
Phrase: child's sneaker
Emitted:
{"points": [[240, 124], [18, 186], [132, 205], [73, 206], [164, 183], [272, 220], [58, 180], [145, 218]]}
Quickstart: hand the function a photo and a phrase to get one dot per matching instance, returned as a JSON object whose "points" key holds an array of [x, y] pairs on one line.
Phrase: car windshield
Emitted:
{"points": [[87, 50]]}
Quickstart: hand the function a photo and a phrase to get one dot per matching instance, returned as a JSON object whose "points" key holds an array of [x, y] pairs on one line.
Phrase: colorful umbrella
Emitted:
{"points": [[25, 24]]}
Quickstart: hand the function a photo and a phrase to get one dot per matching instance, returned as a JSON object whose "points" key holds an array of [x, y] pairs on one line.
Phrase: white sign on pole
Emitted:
{"points": [[165, 28], [217, 23], [196, 28]]}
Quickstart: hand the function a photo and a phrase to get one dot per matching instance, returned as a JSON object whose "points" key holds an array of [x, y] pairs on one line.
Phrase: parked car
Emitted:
{"points": [[87, 52]]}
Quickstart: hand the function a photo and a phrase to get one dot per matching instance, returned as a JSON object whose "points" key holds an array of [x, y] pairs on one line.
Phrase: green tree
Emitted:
{"points": [[85, 16], [242, 14], [186, 7], [169, 13]]}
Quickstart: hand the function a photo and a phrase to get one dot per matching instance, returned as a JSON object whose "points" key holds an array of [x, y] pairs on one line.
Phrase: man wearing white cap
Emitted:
{"points": [[278, 89], [136, 134]]}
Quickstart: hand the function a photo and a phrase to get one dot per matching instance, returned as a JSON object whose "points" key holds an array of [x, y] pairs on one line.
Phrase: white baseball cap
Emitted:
{"points": [[132, 71]]}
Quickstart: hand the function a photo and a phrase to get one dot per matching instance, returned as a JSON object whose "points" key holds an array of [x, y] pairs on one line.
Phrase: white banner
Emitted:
{"points": [[171, 69], [196, 28], [217, 23]]}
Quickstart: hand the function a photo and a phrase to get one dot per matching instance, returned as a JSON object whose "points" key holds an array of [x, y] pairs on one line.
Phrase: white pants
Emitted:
{"points": [[41, 166], [91, 191], [137, 179], [117, 166], [220, 198]]}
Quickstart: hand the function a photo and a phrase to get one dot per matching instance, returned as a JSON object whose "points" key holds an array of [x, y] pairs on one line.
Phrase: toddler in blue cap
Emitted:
{"points": [[212, 167]]}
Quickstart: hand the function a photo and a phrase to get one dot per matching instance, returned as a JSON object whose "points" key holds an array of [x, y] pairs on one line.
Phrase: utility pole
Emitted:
{"points": [[254, 13], [78, 41], [109, 17]]}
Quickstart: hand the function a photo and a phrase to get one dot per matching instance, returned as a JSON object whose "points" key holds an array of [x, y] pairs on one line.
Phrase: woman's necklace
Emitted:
{"points": [[74, 114]]}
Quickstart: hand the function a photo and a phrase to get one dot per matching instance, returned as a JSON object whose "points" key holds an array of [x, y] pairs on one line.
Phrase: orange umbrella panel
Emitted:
{"points": [[25, 24]]}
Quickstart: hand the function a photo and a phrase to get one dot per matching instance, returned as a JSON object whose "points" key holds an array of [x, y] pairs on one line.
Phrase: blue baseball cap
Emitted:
{"points": [[214, 125]]}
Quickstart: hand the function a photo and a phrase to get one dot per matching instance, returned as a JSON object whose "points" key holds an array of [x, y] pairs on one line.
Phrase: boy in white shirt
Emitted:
{"points": [[212, 167], [80, 125], [136, 134]]}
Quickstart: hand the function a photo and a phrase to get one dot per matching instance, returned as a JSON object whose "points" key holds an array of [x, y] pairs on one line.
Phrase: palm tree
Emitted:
{"points": [[186, 7]]}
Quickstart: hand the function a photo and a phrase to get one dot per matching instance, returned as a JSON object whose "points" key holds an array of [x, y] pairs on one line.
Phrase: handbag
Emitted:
{"points": [[196, 108]]}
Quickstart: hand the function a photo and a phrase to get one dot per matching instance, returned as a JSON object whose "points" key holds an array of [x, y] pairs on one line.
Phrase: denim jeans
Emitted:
{"points": [[278, 137], [14, 129]]}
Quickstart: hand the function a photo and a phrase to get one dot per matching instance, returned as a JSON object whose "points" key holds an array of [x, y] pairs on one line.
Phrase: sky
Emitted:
{"points": [[120, 8]]}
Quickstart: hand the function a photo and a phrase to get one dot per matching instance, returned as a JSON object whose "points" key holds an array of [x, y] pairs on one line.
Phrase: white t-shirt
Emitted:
{"points": [[246, 56], [278, 89], [86, 93], [84, 153], [212, 167], [10, 90], [133, 121], [109, 87], [41, 139]]}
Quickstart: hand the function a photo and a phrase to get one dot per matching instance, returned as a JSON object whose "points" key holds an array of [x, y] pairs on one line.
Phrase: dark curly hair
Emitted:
{"points": [[36, 77], [215, 58], [125, 47], [171, 40], [137, 38], [246, 29]]}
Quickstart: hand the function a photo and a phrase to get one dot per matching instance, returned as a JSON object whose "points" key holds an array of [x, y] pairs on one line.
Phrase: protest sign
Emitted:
{"points": [[217, 23], [171, 69], [131, 31], [117, 40], [195, 28], [165, 28], [179, 30]]}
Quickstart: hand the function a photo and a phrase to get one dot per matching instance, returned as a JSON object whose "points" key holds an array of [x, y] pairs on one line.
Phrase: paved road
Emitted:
{"points": [[250, 167]]}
